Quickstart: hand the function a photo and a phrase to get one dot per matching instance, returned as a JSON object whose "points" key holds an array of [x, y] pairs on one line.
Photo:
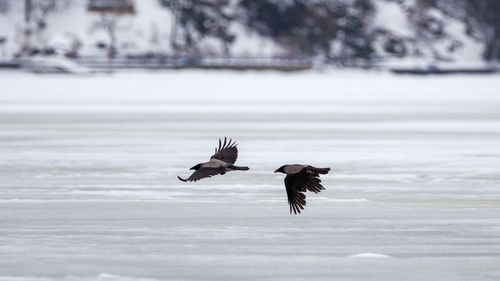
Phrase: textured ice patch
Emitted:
{"points": [[319, 199], [370, 256], [109, 277]]}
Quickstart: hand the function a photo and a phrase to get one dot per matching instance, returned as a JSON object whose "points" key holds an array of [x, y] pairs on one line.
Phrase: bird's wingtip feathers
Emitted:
{"points": [[225, 144]]}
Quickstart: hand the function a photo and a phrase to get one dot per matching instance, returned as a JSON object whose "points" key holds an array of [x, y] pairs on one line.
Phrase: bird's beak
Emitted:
{"points": [[276, 171]]}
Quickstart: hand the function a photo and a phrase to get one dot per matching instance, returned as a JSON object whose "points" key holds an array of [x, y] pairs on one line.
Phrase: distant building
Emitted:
{"points": [[111, 6]]}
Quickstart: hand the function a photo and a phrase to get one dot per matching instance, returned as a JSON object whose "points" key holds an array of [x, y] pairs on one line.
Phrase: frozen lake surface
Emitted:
{"points": [[88, 187]]}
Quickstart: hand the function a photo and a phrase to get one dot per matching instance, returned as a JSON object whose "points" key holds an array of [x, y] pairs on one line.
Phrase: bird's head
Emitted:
{"points": [[280, 170]]}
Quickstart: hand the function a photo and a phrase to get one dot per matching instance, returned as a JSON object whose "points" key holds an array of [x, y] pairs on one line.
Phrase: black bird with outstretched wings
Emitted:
{"points": [[220, 163], [227, 152], [299, 179]]}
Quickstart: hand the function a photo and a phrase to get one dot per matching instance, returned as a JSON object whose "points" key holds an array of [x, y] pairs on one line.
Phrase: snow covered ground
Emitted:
{"points": [[446, 41], [88, 167], [147, 31]]}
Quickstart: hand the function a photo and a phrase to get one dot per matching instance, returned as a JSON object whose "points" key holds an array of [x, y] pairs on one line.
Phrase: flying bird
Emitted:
{"points": [[219, 164], [301, 178]]}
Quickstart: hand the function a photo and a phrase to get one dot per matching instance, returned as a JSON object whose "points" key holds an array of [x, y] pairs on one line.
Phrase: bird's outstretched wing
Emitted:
{"points": [[202, 173], [298, 183], [227, 151], [294, 193]]}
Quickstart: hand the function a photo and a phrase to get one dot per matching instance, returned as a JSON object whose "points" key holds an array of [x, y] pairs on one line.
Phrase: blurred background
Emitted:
{"points": [[429, 35], [103, 103]]}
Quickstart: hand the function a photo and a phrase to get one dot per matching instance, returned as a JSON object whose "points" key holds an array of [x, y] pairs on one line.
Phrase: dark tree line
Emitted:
{"points": [[303, 27], [339, 31], [199, 18], [484, 16], [309, 28]]}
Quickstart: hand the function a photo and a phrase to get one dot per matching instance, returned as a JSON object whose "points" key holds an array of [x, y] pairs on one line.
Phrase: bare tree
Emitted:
{"points": [[36, 15], [418, 19], [3, 41], [110, 12], [109, 22]]}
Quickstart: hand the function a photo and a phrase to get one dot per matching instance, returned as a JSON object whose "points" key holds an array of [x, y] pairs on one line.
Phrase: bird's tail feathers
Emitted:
{"points": [[239, 168], [322, 171]]}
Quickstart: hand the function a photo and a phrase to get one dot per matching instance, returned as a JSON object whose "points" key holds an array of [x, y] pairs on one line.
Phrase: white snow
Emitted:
{"points": [[249, 43], [11, 28], [134, 32], [454, 48], [370, 256], [391, 16], [42, 64], [148, 30], [471, 49]]}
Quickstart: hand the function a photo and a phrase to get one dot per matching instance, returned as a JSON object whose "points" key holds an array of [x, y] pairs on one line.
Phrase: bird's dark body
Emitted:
{"points": [[299, 179], [220, 163]]}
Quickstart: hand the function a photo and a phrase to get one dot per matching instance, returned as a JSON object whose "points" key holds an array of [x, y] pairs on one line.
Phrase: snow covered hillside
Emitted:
{"points": [[442, 38], [149, 30], [384, 31]]}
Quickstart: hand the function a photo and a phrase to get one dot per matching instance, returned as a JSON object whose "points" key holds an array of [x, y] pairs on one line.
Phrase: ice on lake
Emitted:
{"points": [[88, 167]]}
